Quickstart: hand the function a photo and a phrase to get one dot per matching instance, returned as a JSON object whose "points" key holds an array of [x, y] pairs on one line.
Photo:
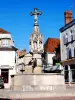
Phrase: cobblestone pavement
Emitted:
{"points": [[46, 98]]}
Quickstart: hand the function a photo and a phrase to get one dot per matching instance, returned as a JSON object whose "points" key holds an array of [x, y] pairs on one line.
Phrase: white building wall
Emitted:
{"points": [[49, 58], [7, 58]]}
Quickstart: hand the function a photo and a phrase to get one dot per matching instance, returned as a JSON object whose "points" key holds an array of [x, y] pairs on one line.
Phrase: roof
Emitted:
{"points": [[67, 25], [51, 44], [2, 31], [21, 53]]}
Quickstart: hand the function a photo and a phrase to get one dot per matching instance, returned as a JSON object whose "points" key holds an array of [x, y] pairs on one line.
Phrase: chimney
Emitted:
{"points": [[68, 16]]}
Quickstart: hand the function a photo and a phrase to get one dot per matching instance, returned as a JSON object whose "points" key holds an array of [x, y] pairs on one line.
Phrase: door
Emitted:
{"points": [[5, 74]]}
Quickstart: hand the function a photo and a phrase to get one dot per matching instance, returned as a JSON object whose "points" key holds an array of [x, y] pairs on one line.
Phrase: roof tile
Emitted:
{"points": [[51, 44], [2, 31]]}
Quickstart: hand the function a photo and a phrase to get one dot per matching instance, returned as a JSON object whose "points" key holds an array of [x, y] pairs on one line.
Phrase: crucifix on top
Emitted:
{"points": [[35, 14]]}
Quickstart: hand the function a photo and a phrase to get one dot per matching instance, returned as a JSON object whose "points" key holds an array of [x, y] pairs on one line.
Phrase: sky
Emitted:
{"points": [[15, 18]]}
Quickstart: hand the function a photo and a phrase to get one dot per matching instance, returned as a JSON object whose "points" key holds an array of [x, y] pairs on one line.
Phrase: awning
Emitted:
{"points": [[68, 62]]}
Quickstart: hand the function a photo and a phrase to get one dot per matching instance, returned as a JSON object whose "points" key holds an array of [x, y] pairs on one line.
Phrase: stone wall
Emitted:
{"points": [[37, 82]]}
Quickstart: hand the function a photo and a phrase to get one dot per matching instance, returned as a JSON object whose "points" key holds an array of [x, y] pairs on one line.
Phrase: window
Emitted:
{"points": [[71, 35], [69, 53], [65, 38], [5, 42]]}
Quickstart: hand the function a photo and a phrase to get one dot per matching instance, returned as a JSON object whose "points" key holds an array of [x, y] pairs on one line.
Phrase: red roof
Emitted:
{"points": [[2, 31], [21, 53], [51, 44]]}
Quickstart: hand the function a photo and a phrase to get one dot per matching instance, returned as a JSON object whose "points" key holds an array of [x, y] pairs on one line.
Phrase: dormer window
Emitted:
{"points": [[5, 42]]}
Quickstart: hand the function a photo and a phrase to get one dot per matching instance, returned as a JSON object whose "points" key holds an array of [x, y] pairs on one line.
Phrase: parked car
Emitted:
{"points": [[1, 83]]}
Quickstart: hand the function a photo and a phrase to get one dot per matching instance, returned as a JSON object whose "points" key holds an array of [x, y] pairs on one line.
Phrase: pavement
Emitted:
{"points": [[66, 94], [45, 95]]}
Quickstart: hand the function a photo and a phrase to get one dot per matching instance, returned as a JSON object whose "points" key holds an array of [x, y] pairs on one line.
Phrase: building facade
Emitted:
{"points": [[7, 57], [67, 37]]}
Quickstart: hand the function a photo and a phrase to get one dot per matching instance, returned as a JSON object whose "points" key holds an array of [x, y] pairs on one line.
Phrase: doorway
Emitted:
{"points": [[5, 74]]}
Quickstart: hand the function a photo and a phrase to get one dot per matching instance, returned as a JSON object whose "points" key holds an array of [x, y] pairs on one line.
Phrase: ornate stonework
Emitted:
{"points": [[36, 38]]}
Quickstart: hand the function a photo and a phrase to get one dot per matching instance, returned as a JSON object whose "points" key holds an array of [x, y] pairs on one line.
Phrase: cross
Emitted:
{"points": [[35, 14]]}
